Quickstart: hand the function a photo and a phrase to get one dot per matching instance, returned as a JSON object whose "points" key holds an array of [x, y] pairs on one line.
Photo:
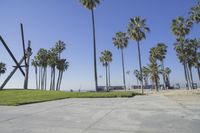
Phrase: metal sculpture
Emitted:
{"points": [[26, 58]]}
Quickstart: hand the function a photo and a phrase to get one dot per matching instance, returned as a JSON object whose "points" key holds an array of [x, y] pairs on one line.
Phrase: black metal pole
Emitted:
{"points": [[14, 59], [23, 43], [11, 74]]}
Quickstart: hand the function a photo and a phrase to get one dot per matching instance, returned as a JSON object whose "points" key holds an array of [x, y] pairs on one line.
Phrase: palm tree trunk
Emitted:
{"points": [[152, 85], [109, 74], [185, 69], [39, 77], [94, 46], [53, 85], [198, 70], [27, 71], [106, 78], [36, 77], [124, 80], [191, 76], [186, 77], [163, 74], [51, 78], [58, 80], [45, 78], [140, 66], [156, 82], [168, 81]]}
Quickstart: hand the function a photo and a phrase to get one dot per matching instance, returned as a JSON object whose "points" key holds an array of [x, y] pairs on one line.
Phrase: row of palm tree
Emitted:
{"points": [[187, 49], [155, 67], [157, 53], [137, 30], [2, 68], [51, 58]]}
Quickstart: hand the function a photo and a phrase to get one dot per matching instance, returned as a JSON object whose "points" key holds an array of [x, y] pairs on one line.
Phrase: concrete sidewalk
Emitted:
{"points": [[141, 114]]}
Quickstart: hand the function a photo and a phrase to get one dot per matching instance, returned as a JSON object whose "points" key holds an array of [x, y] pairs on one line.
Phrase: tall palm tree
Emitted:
{"points": [[182, 54], [2, 68], [180, 28], [58, 49], [194, 45], [34, 63], [195, 13], [161, 53], [121, 41], [192, 56], [91, 4], [62, 65], [167, 73], [137, 29], [110, 60], [105, 58]]}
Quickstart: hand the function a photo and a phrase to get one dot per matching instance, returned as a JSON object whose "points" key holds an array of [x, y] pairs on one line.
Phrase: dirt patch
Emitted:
{"points": [[184, 96]]}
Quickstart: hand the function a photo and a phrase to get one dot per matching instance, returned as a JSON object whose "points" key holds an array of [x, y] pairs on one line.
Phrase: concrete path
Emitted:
{"points": [[141, 114]]}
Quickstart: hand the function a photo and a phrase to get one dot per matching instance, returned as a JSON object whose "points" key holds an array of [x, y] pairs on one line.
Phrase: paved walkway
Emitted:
{"points": [[141, 114]]}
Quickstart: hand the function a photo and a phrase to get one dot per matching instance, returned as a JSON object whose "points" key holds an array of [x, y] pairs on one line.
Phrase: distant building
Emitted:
{"points": [[103, 88]]}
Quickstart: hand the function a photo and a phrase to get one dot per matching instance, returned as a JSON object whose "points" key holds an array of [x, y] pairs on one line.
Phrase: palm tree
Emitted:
{"points": [[180, 28], [194, 45], [182, 55], [128, 74], [2, 68], [136, 31], [110, 60], [59, 47], [34, 63], [153, 72], [121, 41], [42, 58], [161, 53], [195, 13], [192, 56], [91, 4], [153, 67], [105, 58], [137, 75], [167, 72], [52, 62], [62, 65], [145, 74]]}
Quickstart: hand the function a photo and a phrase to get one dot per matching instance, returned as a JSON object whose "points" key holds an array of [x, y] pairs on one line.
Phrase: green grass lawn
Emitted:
{"points": [[20, 97]]}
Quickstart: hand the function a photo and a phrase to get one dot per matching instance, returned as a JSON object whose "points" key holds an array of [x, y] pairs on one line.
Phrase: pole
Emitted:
{"points": [[12, 56], [28, 54], [11, 74]]}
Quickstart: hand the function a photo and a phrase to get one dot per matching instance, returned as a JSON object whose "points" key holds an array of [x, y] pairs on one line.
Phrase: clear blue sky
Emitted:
{"points": [[47, 21]]}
